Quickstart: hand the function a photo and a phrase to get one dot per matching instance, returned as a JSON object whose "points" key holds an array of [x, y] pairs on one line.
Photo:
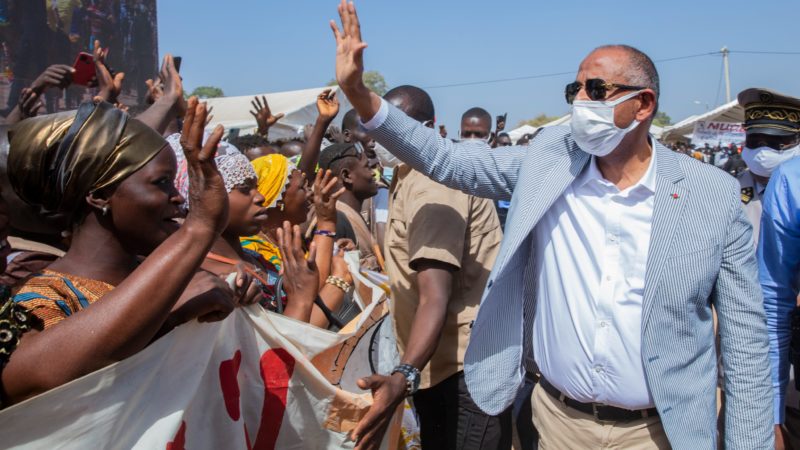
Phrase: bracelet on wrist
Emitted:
{"points": [[339, 283], [330, 234]]}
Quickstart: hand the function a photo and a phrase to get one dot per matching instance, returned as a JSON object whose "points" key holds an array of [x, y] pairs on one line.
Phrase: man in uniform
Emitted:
{"points": [[768, 143], [772, 126]]}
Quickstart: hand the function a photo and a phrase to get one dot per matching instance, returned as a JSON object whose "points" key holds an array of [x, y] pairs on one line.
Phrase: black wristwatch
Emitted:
{"points": [[412, 377]]}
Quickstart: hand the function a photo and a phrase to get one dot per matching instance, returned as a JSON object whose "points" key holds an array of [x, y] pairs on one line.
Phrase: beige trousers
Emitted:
{"points": [[561, 427]]}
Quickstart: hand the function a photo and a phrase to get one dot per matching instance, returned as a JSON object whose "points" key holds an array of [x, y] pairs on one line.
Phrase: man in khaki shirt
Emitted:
{"points": [[440, 247]]}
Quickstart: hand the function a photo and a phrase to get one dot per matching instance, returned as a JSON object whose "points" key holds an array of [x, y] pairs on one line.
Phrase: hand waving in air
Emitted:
{"points": [[263, 115], [325, 197], [109, 87], [207, 195], [350, 63], [327, 104], [349, 48]]}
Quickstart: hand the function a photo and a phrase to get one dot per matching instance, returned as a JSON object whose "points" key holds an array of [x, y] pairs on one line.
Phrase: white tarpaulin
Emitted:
{"points": [[256, 380], [730, 112], [299, 107]]}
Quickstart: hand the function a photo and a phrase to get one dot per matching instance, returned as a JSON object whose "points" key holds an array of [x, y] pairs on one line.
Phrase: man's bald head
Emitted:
{"points": [[639, 69], [413, 101]]}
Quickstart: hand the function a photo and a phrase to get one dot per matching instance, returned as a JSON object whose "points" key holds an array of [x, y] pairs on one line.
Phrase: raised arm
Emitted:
{"points": [[328, 108], [129, 316], [473, 168], [166, 93]]}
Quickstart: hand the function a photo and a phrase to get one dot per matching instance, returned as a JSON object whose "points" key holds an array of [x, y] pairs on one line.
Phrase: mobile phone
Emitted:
{"points": [[177, 61], [84, 69]]}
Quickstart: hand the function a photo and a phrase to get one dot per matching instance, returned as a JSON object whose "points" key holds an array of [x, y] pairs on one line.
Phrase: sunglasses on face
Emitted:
{"points": [[771, 142], [596, 89]]}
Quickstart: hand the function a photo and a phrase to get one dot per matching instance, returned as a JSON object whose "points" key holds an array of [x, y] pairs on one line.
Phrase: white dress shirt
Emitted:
{"points": [[591, 251]]}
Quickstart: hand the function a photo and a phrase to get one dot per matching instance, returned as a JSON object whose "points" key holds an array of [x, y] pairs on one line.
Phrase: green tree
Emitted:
{"points": [[208, 92], [374, 81], [662, 119], [538, 121]]}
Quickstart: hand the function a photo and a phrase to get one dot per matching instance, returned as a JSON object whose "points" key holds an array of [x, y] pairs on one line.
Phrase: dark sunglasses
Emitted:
{"points": [[596, 89], [775, 143]]}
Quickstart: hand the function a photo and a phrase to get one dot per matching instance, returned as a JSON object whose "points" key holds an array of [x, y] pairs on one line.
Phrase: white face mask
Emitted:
{"points": [[474, 139], [593, 125], [763, 160]]}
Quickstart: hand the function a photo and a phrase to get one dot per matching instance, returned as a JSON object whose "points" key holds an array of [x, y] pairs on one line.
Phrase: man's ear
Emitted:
{"points": [[348, 136], [648, 106], [345, 177]]}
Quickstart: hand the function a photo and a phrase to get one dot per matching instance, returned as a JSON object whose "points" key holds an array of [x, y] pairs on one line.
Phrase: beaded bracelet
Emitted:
{"points": [[330, 234], [340, 283]]}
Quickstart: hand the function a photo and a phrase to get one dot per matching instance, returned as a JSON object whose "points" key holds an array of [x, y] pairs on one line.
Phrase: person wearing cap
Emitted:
{"points": [[772, 123], [770, 140]]}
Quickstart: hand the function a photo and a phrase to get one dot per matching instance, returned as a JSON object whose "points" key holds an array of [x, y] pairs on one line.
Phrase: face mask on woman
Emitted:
{"points": [[593, 125]]}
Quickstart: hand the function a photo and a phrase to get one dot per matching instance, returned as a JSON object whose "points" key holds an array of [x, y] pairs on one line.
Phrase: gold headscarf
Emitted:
{"points": [[273, 176], [54, 161]]}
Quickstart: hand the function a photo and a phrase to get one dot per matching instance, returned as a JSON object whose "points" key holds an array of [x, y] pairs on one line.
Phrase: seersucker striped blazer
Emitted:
{"points": [[701, 253]]}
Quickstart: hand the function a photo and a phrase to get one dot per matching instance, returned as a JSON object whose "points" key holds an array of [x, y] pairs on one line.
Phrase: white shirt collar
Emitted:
{"points": [[648, 181]]}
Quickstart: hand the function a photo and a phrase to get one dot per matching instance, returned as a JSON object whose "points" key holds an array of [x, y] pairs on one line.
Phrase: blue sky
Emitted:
{"points": [[251, 46]]}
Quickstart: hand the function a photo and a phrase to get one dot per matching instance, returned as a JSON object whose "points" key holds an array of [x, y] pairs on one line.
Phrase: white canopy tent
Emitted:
{"points": [[730, 112], [299, 107]]}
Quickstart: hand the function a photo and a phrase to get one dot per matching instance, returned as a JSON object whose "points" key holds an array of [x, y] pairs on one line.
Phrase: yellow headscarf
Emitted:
{"points": [[273, 176]]}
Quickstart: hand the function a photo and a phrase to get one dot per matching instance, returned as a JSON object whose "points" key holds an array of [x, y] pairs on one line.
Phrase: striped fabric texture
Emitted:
{"points": [[701, 254]]}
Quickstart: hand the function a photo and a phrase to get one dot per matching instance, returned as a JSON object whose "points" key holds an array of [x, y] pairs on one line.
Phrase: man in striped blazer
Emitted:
{"points": [[615, 251]]}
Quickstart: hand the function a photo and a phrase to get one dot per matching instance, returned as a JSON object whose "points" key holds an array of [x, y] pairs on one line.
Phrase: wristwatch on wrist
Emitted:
{"points": [[412, 377]]}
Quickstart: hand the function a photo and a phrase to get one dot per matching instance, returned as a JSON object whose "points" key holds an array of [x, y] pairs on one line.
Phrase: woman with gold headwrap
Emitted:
{"points": [[110, 178]]}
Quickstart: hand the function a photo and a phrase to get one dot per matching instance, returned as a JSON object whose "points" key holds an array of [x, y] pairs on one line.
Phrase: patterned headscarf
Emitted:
{"points": [[234, 167], [55, 160], [273, 173]]}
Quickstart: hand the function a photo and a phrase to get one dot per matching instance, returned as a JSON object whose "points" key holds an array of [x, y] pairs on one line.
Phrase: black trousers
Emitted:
{"points": [[450, 420]]}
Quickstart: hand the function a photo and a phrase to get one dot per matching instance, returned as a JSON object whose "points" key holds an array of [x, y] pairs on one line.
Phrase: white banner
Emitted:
{"points": [[246, 382], [717, 133]]}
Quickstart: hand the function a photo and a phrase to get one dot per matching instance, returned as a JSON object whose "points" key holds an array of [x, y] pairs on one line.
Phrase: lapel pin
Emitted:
{"points": [[675, 196]]}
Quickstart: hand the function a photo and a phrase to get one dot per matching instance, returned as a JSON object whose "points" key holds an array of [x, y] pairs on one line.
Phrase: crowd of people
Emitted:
{"points": [[541, 292]]}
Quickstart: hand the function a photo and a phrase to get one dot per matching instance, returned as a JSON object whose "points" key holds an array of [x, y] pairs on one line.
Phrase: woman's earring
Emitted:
{"points": [[105, 210], [281, 205]]}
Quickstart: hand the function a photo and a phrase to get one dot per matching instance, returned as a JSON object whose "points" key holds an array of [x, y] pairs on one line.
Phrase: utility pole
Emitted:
{"points": [[725, 52]]}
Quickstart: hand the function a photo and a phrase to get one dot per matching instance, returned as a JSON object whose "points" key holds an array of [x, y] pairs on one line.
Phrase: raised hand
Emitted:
{"points": [[108, 87], [349, 49], [172, 85], [155, 90], [263, 115], [501, 123], [208, 199], [387, 393], [57, 75], [325, 198], [29, 103], [327, 104], [300, 275]]}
